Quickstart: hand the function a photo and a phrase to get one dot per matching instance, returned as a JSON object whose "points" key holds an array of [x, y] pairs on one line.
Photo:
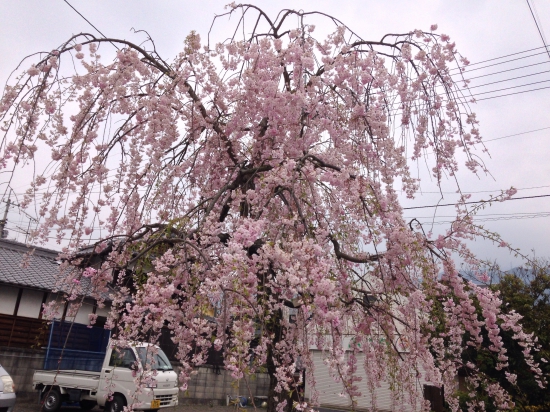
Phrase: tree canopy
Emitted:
{"points": [[526, 290], [260, 174]]}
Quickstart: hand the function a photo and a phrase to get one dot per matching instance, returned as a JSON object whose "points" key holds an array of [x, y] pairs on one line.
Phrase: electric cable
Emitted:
{"points": [[539, 29], [486, 215], [516, 134], [465, 98], [500, 57], [473, 95], [511, 87], [475, 202], [533, 216], [89, 22], [486, 191], [508, 80], [508, 70], [504, 62], [512, 94]]}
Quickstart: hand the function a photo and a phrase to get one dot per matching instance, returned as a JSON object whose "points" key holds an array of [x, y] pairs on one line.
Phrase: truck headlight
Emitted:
{"points": [[8, 384]]}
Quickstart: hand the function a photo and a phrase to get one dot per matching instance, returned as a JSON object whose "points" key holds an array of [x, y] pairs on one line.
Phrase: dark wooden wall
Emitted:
{"points": [[20, 332]]}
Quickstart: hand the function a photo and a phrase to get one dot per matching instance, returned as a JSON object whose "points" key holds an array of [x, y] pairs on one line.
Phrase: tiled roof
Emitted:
{"points": [[32, 267]]}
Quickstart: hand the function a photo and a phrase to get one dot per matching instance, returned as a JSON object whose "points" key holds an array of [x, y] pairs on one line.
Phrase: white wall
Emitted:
{"points": [[104, 311], [31, 303], [82, 314]]}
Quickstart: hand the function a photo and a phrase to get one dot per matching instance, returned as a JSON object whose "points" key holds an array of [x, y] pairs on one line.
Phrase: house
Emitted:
{"points": [[331, 393], [388, 395], [30, 278]]}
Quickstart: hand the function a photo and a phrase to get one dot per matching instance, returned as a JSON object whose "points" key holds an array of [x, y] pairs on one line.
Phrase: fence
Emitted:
{"points": [[19, 332]]}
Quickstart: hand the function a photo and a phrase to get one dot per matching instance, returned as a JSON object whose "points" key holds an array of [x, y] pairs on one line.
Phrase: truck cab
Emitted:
{"points": [[139, 375]]}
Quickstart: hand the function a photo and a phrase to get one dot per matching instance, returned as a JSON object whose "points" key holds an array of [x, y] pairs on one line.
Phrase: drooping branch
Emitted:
{"points": [[354, 259]]}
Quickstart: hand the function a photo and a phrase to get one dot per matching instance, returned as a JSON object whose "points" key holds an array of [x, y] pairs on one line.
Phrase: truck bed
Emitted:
{"points": [[68, 379]]}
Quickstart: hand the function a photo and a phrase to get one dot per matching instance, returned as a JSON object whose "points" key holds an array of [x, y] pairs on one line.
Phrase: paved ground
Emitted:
{"points": [[26, 406]]}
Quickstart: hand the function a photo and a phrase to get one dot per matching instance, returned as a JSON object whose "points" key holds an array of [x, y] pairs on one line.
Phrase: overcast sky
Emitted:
{"points": [[481, 29]]}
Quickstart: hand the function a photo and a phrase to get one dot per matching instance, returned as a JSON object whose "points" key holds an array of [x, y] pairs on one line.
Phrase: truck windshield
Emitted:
{"points": [[156, 358]]}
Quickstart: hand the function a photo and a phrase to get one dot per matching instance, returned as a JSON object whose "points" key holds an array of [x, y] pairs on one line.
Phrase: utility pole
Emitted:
{"points": [[5, 219]]}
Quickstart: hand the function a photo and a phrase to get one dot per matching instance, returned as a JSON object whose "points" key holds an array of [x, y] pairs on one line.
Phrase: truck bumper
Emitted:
{"points": [[166, 398]]}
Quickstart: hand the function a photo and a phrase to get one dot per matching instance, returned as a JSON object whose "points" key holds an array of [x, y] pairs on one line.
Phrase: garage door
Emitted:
{"points": [[331, 393]]}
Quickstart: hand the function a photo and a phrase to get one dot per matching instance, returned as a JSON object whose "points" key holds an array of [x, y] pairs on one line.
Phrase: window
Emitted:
{"points": [[155, 357], [122, 358]]}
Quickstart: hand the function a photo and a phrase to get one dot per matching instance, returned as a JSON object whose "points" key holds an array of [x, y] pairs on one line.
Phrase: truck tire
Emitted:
{"points": [[86, 404], [116, 405], [51, 400]]}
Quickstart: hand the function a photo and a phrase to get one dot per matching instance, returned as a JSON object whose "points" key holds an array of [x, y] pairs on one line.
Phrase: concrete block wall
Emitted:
{"points": [[21, 364], [213, 385], [208, 385]]}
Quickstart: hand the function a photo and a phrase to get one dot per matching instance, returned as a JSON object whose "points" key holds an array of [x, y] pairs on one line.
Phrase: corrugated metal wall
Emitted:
{"points": [[330, 392]]}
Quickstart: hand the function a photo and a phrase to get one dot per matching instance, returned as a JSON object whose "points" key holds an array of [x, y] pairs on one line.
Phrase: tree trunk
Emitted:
{"points": [[275, 398]]}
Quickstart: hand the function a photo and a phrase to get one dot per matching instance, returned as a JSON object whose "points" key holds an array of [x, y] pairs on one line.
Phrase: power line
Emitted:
{"points": [[498, 81], [490, 215], [493, 219], [501, 57], [487, 191], [89, 22], [475, 202], [81, 15], [517, 134], [511, 94], [511, 87], [473, 95], [472, 203], [463, 98], [539, 29], [506, 61], [508, 80], [508, 70]]}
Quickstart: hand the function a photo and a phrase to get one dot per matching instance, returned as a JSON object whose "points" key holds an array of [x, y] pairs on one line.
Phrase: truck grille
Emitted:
{"points": [[166, 400]]}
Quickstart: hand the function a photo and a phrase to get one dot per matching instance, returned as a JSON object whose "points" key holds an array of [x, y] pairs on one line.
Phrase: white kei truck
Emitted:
{"points": [[114, 386]]}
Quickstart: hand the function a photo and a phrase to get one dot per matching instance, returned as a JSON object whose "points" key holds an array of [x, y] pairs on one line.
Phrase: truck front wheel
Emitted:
{"points": [[116, 405], [51, 400]]}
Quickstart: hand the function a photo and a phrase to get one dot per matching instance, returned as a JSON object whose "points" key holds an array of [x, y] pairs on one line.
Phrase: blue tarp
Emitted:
{"points": [[75, 346]]}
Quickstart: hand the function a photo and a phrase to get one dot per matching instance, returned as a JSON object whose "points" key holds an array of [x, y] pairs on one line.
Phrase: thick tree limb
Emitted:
{"points": [[355, 259]]}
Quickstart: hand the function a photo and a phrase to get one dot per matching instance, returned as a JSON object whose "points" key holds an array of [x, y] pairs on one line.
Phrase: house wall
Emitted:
{"points": [[83, 312], [27, 303], [30, 305]]}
